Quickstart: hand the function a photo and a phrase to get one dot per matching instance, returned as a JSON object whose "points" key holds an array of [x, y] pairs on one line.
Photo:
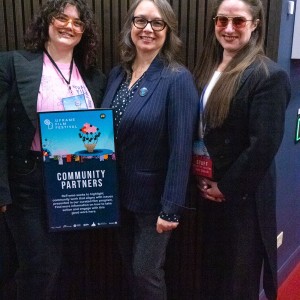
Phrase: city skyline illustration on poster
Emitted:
{"points": [[79, 164]]}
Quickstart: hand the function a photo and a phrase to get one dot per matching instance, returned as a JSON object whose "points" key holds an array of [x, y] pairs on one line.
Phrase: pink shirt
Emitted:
{"points": [[53, 88]]}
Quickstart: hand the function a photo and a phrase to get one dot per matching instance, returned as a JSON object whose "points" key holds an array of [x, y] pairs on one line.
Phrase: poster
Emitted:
{"points": [[80, 173]]}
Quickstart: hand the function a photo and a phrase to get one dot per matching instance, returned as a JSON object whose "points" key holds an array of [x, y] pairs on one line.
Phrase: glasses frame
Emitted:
{"points": [[243, 25], [149, 22], [68, 20]]}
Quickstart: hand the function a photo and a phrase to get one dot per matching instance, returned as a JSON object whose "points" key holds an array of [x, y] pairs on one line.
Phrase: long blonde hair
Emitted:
{"points": [[218, 104]]}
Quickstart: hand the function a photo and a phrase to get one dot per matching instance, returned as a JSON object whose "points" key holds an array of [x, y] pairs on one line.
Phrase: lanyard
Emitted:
{"points": [[59, 71]]}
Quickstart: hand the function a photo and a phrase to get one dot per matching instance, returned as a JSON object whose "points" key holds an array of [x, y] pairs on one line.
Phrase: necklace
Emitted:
{"points": [[59, 71]]}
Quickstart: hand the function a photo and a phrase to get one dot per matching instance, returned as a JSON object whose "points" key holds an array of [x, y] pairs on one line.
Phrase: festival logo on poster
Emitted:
{"points": [[79, 169]]}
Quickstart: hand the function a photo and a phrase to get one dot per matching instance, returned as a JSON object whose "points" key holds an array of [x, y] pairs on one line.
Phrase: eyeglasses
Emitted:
{"points": [[63, 20], [141, 23], [237, 22]]}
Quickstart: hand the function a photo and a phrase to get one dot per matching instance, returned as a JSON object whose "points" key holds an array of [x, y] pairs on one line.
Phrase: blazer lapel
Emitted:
{"points": [[93, 86], [246, 74], [28, 76], [149, 82]]}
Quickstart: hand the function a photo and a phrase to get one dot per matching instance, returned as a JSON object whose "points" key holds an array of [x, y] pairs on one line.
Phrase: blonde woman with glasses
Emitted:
{"points": [[155, 108]]}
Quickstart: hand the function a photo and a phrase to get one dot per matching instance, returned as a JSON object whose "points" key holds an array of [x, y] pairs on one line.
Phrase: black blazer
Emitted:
{"points": [[155, 135], [243, 151], [20, 77]]}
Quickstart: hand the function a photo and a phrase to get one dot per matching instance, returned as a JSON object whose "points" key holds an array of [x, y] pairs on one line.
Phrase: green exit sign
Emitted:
{"points": [[297, 138]]}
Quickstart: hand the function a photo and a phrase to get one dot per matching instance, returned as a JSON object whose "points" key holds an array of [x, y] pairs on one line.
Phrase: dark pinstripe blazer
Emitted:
{"points": [[20, 77], [154, 138]]}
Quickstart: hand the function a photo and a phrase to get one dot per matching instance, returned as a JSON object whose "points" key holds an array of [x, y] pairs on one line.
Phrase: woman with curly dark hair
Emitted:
{"points": [[38, 34], [59, 62]]}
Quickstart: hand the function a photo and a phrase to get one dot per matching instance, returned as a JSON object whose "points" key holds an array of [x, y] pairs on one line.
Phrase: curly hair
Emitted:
{"points": [[37, 33], [170, 52]]}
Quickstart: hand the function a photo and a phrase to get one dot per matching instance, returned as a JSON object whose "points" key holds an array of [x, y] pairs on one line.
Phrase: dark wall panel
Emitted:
{"points": [[3, 45], [192, 17]]}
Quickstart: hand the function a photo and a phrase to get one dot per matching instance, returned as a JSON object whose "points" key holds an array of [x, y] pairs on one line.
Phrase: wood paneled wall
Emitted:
{"points": [[92, 267], [109, 14]]}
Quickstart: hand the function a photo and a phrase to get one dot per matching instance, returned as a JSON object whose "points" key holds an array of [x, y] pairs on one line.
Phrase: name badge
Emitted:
{"points": [[201, 163], [74, 102]]}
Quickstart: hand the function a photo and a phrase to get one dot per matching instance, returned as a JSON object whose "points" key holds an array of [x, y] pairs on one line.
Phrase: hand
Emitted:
{"points": [[2, 209], [209, 190], [163, 225]]}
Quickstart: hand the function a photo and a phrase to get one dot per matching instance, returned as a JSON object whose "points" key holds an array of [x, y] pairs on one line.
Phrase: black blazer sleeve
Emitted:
{"points": [[6, 73], [253, 131]]}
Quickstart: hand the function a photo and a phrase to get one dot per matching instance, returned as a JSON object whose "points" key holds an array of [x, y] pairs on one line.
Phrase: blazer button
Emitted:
{"points": [[227, 141], [18, 128], [245, 197]]}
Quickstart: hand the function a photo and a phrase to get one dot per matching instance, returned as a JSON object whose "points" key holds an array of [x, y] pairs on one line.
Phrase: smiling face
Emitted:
{"points": [[65, 38], [148, 41], [233, 39]]}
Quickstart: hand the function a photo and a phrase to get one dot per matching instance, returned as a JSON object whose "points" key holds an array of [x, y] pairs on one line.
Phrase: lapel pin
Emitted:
{"points": [[143, 91]]}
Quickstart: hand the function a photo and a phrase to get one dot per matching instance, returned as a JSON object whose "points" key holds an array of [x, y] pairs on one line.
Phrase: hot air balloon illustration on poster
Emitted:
{"points": [[80, 173]]}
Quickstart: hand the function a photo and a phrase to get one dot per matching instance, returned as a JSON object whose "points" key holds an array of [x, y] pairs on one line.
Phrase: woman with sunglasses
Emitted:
{"points": [[242, 113], [59, 62], [155, 104]]}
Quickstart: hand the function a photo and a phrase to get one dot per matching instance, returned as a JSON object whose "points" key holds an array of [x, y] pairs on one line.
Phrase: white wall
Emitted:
{"points": [[296, 36]]}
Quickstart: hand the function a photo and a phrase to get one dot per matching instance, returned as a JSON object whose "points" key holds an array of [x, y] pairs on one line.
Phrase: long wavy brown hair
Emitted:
{"points": [[218, 104], [37, 33]]}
